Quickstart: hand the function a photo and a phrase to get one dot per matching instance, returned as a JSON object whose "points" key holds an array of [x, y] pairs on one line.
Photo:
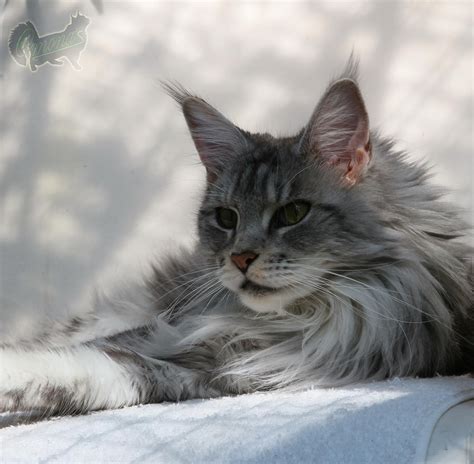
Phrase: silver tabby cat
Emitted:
{"points": [[323, 259]]}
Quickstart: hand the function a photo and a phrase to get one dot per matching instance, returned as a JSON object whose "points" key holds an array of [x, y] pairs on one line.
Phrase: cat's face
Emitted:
{"points": [[276, 222], [259, 220], [280, 213]]}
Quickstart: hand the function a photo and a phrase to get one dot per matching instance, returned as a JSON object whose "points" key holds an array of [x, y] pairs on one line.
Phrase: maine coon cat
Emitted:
{"points": [[323, 259]]}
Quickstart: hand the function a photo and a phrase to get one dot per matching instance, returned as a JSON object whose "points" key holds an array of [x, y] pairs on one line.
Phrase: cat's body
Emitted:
{"points": [[324, 259]]}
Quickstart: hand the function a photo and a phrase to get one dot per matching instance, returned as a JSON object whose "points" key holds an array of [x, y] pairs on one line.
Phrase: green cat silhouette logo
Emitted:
{"points": [[27, 48]]}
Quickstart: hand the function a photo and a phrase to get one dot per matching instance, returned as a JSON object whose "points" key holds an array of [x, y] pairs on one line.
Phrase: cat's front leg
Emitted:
{"points": [[87, 378]]}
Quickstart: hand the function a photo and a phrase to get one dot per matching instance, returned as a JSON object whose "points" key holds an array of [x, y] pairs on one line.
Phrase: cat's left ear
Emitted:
{"points": [[217, 140], [338, 131]]}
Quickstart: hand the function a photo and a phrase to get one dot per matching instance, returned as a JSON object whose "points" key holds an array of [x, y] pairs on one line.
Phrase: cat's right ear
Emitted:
{"points": [[217, 140], [338, 131]]}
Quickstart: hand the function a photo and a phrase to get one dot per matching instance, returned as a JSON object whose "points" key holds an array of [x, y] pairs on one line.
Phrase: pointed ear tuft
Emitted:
{"points": [[351, 71], [176, 91], [338, 131], [217, 140]]}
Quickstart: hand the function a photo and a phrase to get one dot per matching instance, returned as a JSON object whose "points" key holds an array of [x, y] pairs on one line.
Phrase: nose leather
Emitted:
{"points": [[243, 260]]}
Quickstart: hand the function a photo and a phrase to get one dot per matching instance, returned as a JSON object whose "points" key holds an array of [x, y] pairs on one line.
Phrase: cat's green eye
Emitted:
{"points": [[226, 218], [290, 214]]}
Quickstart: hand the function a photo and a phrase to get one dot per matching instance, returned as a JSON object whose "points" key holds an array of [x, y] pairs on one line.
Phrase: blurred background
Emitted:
{"points": [[98, 176]]}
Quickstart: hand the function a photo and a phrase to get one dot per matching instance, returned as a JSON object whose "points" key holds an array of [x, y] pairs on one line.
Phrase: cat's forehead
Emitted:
{"points": [[265, 175]]}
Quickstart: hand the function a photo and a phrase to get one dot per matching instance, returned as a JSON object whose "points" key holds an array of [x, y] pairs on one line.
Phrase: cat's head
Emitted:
{"points": [[79, 20], [280, 213]]}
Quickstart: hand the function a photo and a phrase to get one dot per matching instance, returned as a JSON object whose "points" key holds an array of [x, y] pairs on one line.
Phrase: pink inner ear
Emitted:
{"points": [[360, 154], [338, 131], [357, 166], [355, 159]]}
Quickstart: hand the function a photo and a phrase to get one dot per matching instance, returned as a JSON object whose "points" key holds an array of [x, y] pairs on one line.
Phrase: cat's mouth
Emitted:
{"points": [[256, 289]]}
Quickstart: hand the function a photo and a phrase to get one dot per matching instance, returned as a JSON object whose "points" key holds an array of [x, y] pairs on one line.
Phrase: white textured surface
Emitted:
{"points": [[385, 422]]}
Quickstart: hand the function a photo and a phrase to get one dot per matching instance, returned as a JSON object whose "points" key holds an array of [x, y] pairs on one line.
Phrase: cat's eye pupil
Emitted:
{"points": [[226, 218], [291, 214]]}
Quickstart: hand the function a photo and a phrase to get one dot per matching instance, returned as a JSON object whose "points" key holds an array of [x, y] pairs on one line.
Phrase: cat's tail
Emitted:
{"points": [[20, 41], [88, 377]]}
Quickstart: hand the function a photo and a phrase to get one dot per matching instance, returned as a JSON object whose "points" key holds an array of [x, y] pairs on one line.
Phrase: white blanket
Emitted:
{"points": [[383, 422]]}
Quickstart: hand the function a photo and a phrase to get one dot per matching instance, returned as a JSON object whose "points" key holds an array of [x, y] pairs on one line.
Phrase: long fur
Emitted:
{"points": [[375, 282]]}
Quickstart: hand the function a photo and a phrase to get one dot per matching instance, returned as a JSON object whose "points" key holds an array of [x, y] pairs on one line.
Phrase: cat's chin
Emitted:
{"points": [[269, 302], [264, 299]]}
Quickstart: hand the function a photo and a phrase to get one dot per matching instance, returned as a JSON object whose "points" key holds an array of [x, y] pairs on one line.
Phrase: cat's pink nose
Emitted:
{"points": [[243, 260]]}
